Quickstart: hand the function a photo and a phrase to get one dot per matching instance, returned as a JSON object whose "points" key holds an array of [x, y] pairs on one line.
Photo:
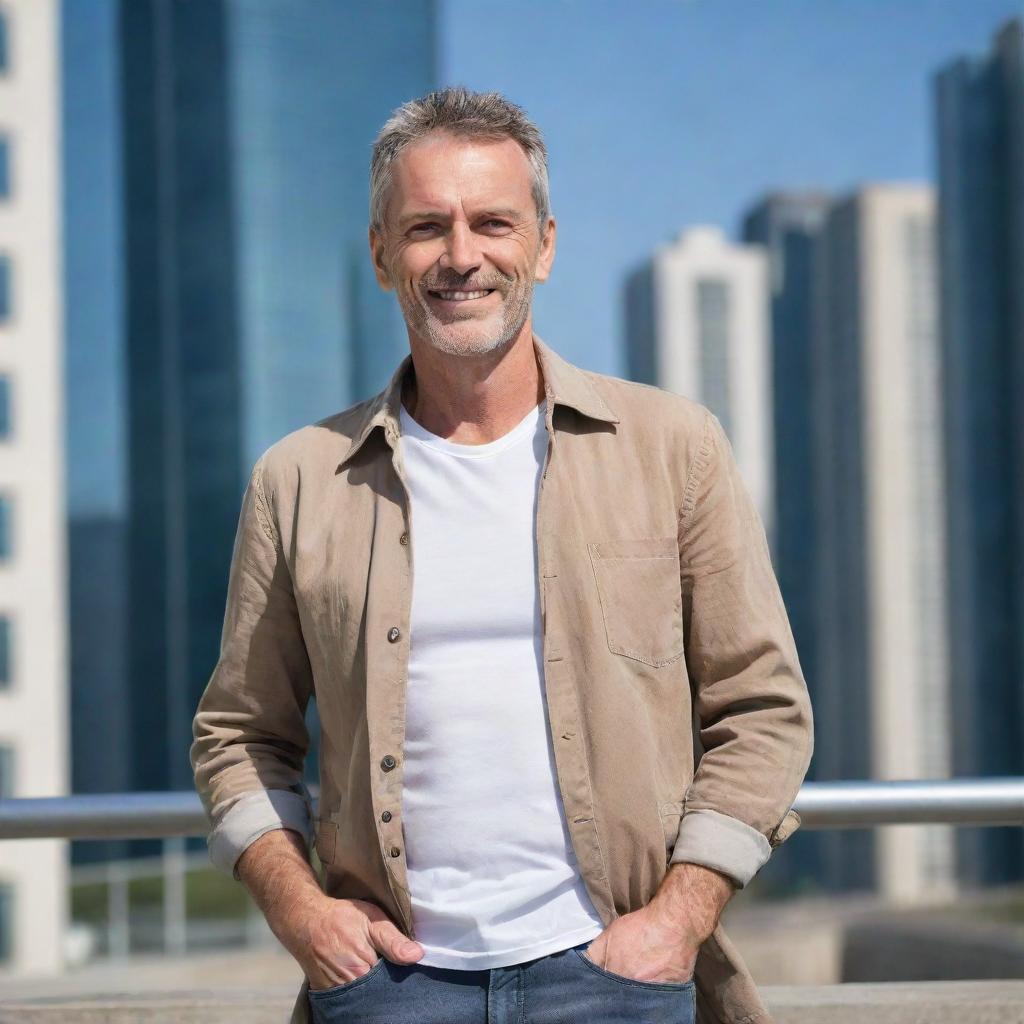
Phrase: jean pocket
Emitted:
{"points": [[347, 986], [621, 979]]}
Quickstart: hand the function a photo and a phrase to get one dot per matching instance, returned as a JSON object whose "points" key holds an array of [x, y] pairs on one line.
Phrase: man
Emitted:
{"points": [[514, 588]]}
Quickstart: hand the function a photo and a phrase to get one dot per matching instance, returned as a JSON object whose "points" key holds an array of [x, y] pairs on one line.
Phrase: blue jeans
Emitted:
{"points": [[561, 988]]}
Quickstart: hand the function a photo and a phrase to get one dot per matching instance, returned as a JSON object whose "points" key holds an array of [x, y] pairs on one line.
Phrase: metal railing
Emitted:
{"points": [[821, 805]]}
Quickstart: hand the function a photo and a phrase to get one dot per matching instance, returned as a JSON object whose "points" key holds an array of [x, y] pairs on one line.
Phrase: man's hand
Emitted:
{"points": [[334, 941], [660, 942], [342, 940]]}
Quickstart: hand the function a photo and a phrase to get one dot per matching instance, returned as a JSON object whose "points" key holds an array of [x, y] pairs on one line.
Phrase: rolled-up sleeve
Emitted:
{"points": [[749, 693], [249, 732]]}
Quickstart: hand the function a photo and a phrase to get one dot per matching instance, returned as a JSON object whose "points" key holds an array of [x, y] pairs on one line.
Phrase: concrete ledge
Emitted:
{"points": [[937, 1002], [213, 1006], [899, 1002]]}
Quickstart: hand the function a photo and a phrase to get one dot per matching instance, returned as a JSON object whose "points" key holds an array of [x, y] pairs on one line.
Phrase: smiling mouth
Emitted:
{"points": [[456, 296]]}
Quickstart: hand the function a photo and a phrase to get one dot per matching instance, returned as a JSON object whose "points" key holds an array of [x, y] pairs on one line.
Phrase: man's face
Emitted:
{"points": [[461, 244]]}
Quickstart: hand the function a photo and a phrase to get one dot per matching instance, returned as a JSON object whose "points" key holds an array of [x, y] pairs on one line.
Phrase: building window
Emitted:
{"points": [[713, 333], [5, 653], [5, 287], [6, 527], [5, 167], [6, 771], [5, 407], [6, 922], [4, 40]]}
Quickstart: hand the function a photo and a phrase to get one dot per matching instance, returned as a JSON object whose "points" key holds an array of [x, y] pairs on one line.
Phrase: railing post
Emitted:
{"points": [[175, 912], [118, 910]]}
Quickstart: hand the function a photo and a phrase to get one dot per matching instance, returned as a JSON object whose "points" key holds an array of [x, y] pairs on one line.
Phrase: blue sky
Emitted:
{"points": [[659, 114]]}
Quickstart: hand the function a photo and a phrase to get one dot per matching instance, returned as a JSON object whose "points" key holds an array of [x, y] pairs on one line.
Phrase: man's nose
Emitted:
{"points": [[461, 254]]}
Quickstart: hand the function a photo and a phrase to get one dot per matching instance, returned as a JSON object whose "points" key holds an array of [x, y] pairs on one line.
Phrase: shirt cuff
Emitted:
{"points": [[250, 817], [718, 841]]}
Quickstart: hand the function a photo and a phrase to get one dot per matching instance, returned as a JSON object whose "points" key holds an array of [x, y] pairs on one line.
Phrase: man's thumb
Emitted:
{"points": [[401, 949]]}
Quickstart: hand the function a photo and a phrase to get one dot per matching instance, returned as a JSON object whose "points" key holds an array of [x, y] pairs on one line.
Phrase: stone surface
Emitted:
{"points": [[944, 1002], [910, 1002], [241, 1006]]}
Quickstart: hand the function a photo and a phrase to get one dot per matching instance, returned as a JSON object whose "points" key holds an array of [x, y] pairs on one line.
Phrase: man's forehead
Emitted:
{"points": [[443, 168]]}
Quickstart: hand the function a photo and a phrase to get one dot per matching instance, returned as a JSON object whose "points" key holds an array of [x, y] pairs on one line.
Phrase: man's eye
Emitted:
{"points": [[496, 224], [421, 228]]}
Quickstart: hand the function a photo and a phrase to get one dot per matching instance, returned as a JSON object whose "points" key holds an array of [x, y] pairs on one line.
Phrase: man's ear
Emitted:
{"points": [[377, 255], [546, 254]]}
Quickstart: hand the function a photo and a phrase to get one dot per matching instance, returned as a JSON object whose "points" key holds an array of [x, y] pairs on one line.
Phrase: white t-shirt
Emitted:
{"points": [[491, 869]]}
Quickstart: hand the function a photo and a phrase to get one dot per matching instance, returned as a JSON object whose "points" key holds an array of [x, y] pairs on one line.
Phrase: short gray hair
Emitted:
{"points": [[476, 115]]}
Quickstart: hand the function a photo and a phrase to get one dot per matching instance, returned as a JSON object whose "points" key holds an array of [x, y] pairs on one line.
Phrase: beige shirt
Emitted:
{"points": [[662, 620]]}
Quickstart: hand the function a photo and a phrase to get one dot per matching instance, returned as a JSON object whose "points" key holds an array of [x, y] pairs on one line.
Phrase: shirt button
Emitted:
{"points": [[386, 816], [395, 851], [404, 539], [394, 633], [387, 762]]}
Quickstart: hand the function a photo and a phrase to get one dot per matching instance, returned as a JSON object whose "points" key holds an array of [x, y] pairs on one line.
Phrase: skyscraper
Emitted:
{"points": [[786, 224], [247, 309], [979, 105], [96, 434], [311, 84], [697, 324], [33, 646], [882, 707], [183, 362]]}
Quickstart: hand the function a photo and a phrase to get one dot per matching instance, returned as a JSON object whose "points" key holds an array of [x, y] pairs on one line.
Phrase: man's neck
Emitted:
{"points": [[473, 399]]}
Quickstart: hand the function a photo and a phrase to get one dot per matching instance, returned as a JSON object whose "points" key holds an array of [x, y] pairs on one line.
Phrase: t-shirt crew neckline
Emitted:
{"points": [[526, 427]]}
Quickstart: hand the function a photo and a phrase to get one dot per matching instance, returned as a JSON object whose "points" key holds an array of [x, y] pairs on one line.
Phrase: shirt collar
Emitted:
{"points": [[564, 384]]}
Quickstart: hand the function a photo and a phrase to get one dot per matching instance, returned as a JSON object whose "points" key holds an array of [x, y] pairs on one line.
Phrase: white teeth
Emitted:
{"points": [[460, 296]]}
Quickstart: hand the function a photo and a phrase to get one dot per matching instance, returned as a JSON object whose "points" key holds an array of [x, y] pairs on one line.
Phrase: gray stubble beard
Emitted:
{"points": [[421, 321]]}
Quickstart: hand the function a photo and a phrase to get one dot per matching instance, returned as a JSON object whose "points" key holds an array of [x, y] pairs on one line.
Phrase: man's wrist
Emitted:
{"points": [[691, 898], [280, 879]]}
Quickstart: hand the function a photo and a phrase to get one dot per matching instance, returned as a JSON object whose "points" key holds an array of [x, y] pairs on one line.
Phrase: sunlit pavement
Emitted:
{"points": [[944, 1002]]}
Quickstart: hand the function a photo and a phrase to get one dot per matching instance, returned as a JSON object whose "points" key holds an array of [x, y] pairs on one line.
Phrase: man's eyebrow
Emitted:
{"points": [[408, 218], [508, 213]]}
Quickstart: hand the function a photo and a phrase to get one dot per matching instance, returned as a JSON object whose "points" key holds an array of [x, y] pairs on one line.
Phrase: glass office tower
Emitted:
{"points": [[979, 104], [787, 224], [246, 307]]}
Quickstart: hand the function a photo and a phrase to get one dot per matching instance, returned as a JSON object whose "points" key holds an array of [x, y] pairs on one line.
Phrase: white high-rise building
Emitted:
{"points": [[883, 679], [33, 646], [698, 324]]}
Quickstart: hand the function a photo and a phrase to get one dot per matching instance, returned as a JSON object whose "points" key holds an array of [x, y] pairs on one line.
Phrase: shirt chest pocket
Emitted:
{"points": [[641, 601]]}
